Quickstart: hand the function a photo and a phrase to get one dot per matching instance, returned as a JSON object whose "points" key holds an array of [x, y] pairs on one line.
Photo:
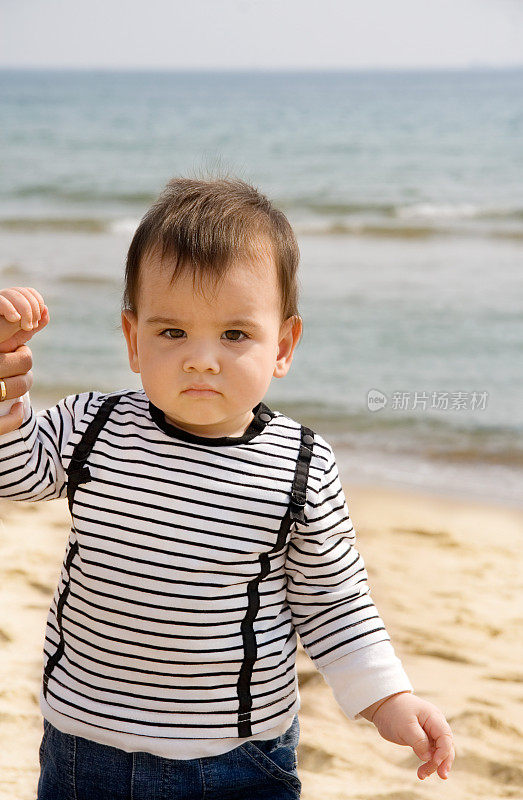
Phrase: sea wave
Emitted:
{"points": [[420, 210], [457, 211], [57, 192], [79, 224], [125, 226], [293, 204]]}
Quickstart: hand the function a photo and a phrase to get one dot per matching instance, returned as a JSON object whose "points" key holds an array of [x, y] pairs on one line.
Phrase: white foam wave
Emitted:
{"points": [[439, 211], [125, 226]]}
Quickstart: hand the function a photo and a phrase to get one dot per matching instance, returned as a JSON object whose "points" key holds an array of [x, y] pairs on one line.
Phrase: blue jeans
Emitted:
{"points": [[73, 768]]}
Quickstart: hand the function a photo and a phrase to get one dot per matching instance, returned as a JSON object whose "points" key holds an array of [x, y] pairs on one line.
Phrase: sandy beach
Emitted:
{"points": [[446, 577]]}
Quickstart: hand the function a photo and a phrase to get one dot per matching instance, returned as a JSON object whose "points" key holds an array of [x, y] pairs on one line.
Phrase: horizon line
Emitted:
{"points": [[479, 67]]}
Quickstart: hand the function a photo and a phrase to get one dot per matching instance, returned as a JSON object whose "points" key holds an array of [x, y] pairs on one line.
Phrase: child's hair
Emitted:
{"points": [[204, 225]]}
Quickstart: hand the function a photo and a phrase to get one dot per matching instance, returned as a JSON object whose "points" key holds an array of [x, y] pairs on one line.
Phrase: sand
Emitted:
{"points": [[445, 576]]}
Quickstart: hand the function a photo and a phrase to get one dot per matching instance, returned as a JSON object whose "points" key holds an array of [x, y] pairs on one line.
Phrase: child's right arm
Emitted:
{"points": [[31, 445]]}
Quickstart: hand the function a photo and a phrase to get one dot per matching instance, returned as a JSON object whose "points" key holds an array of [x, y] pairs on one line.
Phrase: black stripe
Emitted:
{"points": [[52, 662], [77, 473], [295, 511]]}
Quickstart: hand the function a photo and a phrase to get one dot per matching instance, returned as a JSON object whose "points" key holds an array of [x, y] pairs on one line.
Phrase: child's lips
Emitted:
{"points": [[200, 391]]}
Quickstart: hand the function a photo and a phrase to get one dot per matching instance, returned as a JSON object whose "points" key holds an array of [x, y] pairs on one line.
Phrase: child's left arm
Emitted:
{"points": [[406, 719]]}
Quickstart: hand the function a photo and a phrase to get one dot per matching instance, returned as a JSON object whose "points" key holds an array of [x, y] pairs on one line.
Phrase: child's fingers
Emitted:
{"points": [[435, 765], [414, 736], [42, 322], [39, 298], [439, 734], [25, 303], [423, 748], [21, 304], [426, 769], [444, 747], [34, 302], [446, 765], [437, 727], [8, 309], [38, 306]]}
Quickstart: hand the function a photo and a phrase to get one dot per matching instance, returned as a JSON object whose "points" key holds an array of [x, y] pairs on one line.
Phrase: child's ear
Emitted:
{"points": [[130, 331], [290, 334]]}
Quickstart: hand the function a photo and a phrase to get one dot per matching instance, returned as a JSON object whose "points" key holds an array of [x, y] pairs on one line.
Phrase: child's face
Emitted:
{"points": [[232, 340]]}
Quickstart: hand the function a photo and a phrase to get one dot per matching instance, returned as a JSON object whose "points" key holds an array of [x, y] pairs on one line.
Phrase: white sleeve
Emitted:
{"points": [[6, 405], [365, 676]]}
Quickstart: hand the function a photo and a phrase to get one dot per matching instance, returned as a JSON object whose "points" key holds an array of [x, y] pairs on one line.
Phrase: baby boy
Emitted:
{"points": [[207, 529]]}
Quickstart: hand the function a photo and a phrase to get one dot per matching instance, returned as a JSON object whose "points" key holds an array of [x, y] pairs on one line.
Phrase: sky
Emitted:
{"points": [[261, 34]]}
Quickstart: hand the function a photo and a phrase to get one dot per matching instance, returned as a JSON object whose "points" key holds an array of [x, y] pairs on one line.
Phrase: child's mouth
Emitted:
{"points": [[200, 392]]}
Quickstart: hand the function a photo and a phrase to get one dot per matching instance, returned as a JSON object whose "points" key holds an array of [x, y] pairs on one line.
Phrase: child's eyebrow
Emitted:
{"points": [[158, 320]]}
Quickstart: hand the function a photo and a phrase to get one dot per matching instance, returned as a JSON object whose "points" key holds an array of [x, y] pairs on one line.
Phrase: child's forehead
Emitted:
{"points": [[244, 288]]}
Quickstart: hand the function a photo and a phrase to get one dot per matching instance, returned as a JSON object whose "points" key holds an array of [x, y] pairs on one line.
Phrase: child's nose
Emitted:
{"points": [[201, 358]]}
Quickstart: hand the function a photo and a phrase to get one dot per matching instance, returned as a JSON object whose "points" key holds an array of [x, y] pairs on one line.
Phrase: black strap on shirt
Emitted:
{"points": [[301, 476], [77, 473], [294, 513]]}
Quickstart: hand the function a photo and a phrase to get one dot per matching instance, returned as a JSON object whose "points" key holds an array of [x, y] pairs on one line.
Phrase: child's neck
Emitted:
{"points": [[233, 433]]}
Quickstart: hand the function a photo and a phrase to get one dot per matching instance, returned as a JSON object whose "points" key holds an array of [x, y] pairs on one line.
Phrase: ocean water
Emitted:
{"points": [[406, 193]]}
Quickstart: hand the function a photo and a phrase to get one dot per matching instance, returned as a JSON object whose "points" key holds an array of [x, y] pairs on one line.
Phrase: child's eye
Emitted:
{"points": [[237, 340], [169, 330], [178, 330]]}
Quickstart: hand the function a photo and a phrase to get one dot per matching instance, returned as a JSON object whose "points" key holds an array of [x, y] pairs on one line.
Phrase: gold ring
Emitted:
{"points": [[3, 392]]}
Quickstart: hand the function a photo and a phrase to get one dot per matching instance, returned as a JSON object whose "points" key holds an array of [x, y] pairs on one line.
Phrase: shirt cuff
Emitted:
{"points": [[365, 676], [5, 407]]}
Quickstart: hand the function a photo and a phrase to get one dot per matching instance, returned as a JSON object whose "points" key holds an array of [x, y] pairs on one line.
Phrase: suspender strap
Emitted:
{"points": [[76, 471], [294, 512], [301, 476]]}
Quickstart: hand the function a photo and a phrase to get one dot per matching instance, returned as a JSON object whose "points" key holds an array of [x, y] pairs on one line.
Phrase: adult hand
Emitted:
{"points": [[16, 373]]}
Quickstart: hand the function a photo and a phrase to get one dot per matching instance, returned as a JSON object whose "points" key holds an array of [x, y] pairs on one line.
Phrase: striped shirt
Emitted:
{"points": [[161, 574]]}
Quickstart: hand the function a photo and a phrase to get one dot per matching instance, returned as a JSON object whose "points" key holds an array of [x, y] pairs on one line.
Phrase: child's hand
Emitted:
{"points": [[407, 719], [22, 313]]}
